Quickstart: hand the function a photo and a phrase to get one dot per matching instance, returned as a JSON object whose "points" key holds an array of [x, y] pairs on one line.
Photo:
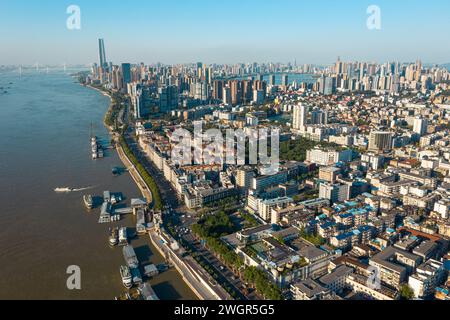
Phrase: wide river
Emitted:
{"points": [[45, 124]]}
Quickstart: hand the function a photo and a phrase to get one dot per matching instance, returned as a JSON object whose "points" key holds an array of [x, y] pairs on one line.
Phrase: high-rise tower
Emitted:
{"points": [[102, 53], [300, 118]]}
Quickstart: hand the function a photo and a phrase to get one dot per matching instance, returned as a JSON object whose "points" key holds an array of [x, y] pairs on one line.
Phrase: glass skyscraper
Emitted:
{"points": [[102, 54], [126, 73]]}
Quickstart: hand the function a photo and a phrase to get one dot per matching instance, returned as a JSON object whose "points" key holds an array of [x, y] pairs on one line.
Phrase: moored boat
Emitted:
{"points": [[127, 278], [88, 201], [130, 257], [123, 237], [114, 237]]}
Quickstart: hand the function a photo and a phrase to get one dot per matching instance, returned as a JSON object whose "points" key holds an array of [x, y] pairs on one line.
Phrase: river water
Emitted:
{"points": [[45, 124]]}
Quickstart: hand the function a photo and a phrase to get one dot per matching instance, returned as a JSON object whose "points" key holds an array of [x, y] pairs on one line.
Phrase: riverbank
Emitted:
{"points": [[126, 161], [106, 94], [146, 193]]}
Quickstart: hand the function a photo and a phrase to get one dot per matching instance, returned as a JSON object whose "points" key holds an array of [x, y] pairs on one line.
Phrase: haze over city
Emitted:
{"points": [[215, 32]]}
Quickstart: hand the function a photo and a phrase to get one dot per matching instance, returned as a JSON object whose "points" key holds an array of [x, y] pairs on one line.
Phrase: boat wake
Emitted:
{"points": [[67, 190]]}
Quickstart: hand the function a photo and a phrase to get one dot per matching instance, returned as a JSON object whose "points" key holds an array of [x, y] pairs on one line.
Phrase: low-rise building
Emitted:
{"points": [[395, 265], [308, 290], [427, 277]]}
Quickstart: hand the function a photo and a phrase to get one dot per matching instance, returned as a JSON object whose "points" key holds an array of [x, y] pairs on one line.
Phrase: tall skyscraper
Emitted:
{"points": [[329, 86], [199, 69], [319, 117], [218, 90], [272, 79], [102, 54], [226, 95], [339, 68], [284, 80], [300, 117], [126, 74], [168, 98], [236, 92]]}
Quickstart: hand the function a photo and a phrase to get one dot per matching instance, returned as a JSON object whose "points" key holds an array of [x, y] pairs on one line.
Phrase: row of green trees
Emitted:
{"points": [[211, 229], [117, 102], [214, 226], [156, 194], [295, 150], [262, 283], [205, 265], [114, 109], [251, 220]]}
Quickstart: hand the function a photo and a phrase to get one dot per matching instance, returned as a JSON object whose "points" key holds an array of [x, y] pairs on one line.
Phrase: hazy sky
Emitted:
{"points": [[224, 31]]}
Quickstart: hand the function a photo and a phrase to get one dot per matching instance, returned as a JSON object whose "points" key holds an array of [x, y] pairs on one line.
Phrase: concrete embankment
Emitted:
{"points": [[145, 190], [198, 280]]}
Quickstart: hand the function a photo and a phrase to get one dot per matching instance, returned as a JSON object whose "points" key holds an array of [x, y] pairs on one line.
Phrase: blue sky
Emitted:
{"points": [[227, 31]]}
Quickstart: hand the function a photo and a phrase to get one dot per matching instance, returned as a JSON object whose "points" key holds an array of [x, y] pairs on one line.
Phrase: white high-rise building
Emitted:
{"points": [[421, 126], [300, 118]]}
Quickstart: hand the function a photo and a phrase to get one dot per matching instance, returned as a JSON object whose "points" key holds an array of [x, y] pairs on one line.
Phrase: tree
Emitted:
{"points": [[262, 283], [314, 239], [295, 150], [406, 292]]}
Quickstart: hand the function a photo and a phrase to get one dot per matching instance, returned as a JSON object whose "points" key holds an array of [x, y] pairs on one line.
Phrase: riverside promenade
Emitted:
{"points": [[198, 280], [143, 187], [145, 190]]}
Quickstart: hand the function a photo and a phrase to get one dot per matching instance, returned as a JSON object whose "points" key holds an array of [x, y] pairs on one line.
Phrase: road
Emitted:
{"points": [[196, 277], [227, 276], [168, 194]]}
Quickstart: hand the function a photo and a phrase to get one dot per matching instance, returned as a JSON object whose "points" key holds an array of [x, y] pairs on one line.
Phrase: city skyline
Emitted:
{"points": [[240, 32]]}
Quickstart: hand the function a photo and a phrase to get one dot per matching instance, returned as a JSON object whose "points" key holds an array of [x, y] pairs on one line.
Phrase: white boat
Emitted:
{"points": [[123, 237], [88, 201], [127, 279], [113, 237], [116, 198], [63, 190]]}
